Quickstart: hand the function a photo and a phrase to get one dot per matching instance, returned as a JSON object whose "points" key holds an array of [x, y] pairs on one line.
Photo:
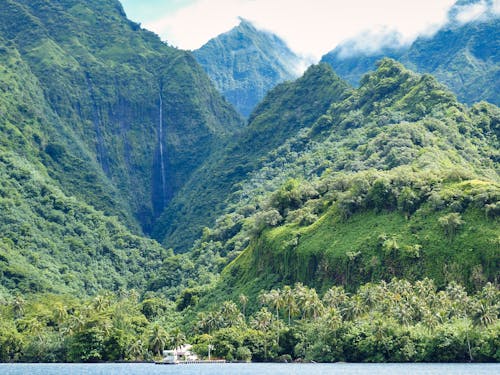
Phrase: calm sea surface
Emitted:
{"points": [[250, 369]]}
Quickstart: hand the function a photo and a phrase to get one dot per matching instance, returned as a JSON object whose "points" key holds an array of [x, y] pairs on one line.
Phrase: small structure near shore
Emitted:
{"points": [[183, 356]]}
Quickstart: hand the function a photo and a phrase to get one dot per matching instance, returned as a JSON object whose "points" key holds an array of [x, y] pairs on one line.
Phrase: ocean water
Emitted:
{"points": [[251, 369]]}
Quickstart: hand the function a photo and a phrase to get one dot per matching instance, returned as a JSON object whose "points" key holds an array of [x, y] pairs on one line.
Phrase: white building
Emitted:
{"points": [[177, 355]]}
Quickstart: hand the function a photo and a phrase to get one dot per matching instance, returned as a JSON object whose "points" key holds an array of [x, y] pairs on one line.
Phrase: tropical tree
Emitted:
{"points": [[334, 297], [262, 320], [177, 338], [18, 306], [229, 314], [312, 306], [289, 301], [244, 301], [450, 223], [158, 338]]}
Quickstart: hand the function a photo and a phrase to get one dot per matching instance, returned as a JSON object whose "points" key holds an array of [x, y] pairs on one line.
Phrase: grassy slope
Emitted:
{"points": [[351, 252]]}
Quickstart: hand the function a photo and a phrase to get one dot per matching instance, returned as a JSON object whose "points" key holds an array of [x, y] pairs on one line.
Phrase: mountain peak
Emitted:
{"points": [[391, 84], [245, 23], [245, 63]]}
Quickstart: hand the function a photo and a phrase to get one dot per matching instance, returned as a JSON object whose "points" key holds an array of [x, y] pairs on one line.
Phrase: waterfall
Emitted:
{"points": [[102, 153], [162, 158]]}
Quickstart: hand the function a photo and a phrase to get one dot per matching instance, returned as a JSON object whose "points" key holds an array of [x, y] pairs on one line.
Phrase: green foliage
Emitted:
{"points": [[52, 242], [358, 196], [83, 87], [80, 165], [286, 110], [451, 223], [394, 321], [55, 328]]}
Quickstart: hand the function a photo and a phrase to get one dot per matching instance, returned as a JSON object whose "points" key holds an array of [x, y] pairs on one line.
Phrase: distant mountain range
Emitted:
{"points": [[463, 56], [245, 63]]}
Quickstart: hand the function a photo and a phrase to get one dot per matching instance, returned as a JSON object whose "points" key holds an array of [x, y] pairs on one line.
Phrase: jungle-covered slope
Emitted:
{"points": [[101, 123], [126, 112], [397, 179]]}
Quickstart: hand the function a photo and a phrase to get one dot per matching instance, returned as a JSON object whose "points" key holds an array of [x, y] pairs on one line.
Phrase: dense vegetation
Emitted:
{"points": [[374, 169], [286, 110], [395, 179], [245, 63], [387, 321], [125, 117], [394, 321], [464, 56], [88, 100], [340, 225]]}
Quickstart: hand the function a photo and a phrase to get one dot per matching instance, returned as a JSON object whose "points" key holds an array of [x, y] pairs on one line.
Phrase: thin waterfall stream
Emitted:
{"points": [[162, 158]]}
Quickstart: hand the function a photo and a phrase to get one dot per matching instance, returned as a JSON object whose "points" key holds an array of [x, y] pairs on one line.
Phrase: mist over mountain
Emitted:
{"points": [[245, 63], [463, 54]]}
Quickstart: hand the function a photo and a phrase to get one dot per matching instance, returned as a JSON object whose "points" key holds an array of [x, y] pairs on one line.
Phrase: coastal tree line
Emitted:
{"points": [[381, 322]]}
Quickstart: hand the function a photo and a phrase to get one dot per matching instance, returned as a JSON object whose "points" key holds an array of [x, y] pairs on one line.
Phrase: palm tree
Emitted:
{"points": [[60, 313], [485, 314], [289, 301], [136, 350], [450, 223], [75, 323], [229, 314], [262, 320], [244, 301], [35, 327], [177, 338], [274, 300], [18, 306], [353, 308], [334, 297], [157, 339], [101, 303], [312, 305]]}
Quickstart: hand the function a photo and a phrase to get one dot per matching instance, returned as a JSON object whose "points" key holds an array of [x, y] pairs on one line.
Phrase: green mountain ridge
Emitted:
{"points": [[375, 178], [339, 224], [109, 84], [204, 197], [98, 131]]}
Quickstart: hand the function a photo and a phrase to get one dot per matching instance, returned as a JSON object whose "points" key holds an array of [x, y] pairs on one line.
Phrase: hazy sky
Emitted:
{"points": [[310, 27]]}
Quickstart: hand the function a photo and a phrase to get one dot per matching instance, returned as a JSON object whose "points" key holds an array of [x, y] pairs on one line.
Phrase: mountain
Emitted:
{"points": [[463, 56], [102, 124], [208, 193], [395, 179], [129, 117], [245, 63], [339, 224]]}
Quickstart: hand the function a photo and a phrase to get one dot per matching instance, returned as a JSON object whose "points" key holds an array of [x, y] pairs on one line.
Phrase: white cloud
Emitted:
{"points": [[371, 42], [471, 12], [496, 7], [311, 27]]}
